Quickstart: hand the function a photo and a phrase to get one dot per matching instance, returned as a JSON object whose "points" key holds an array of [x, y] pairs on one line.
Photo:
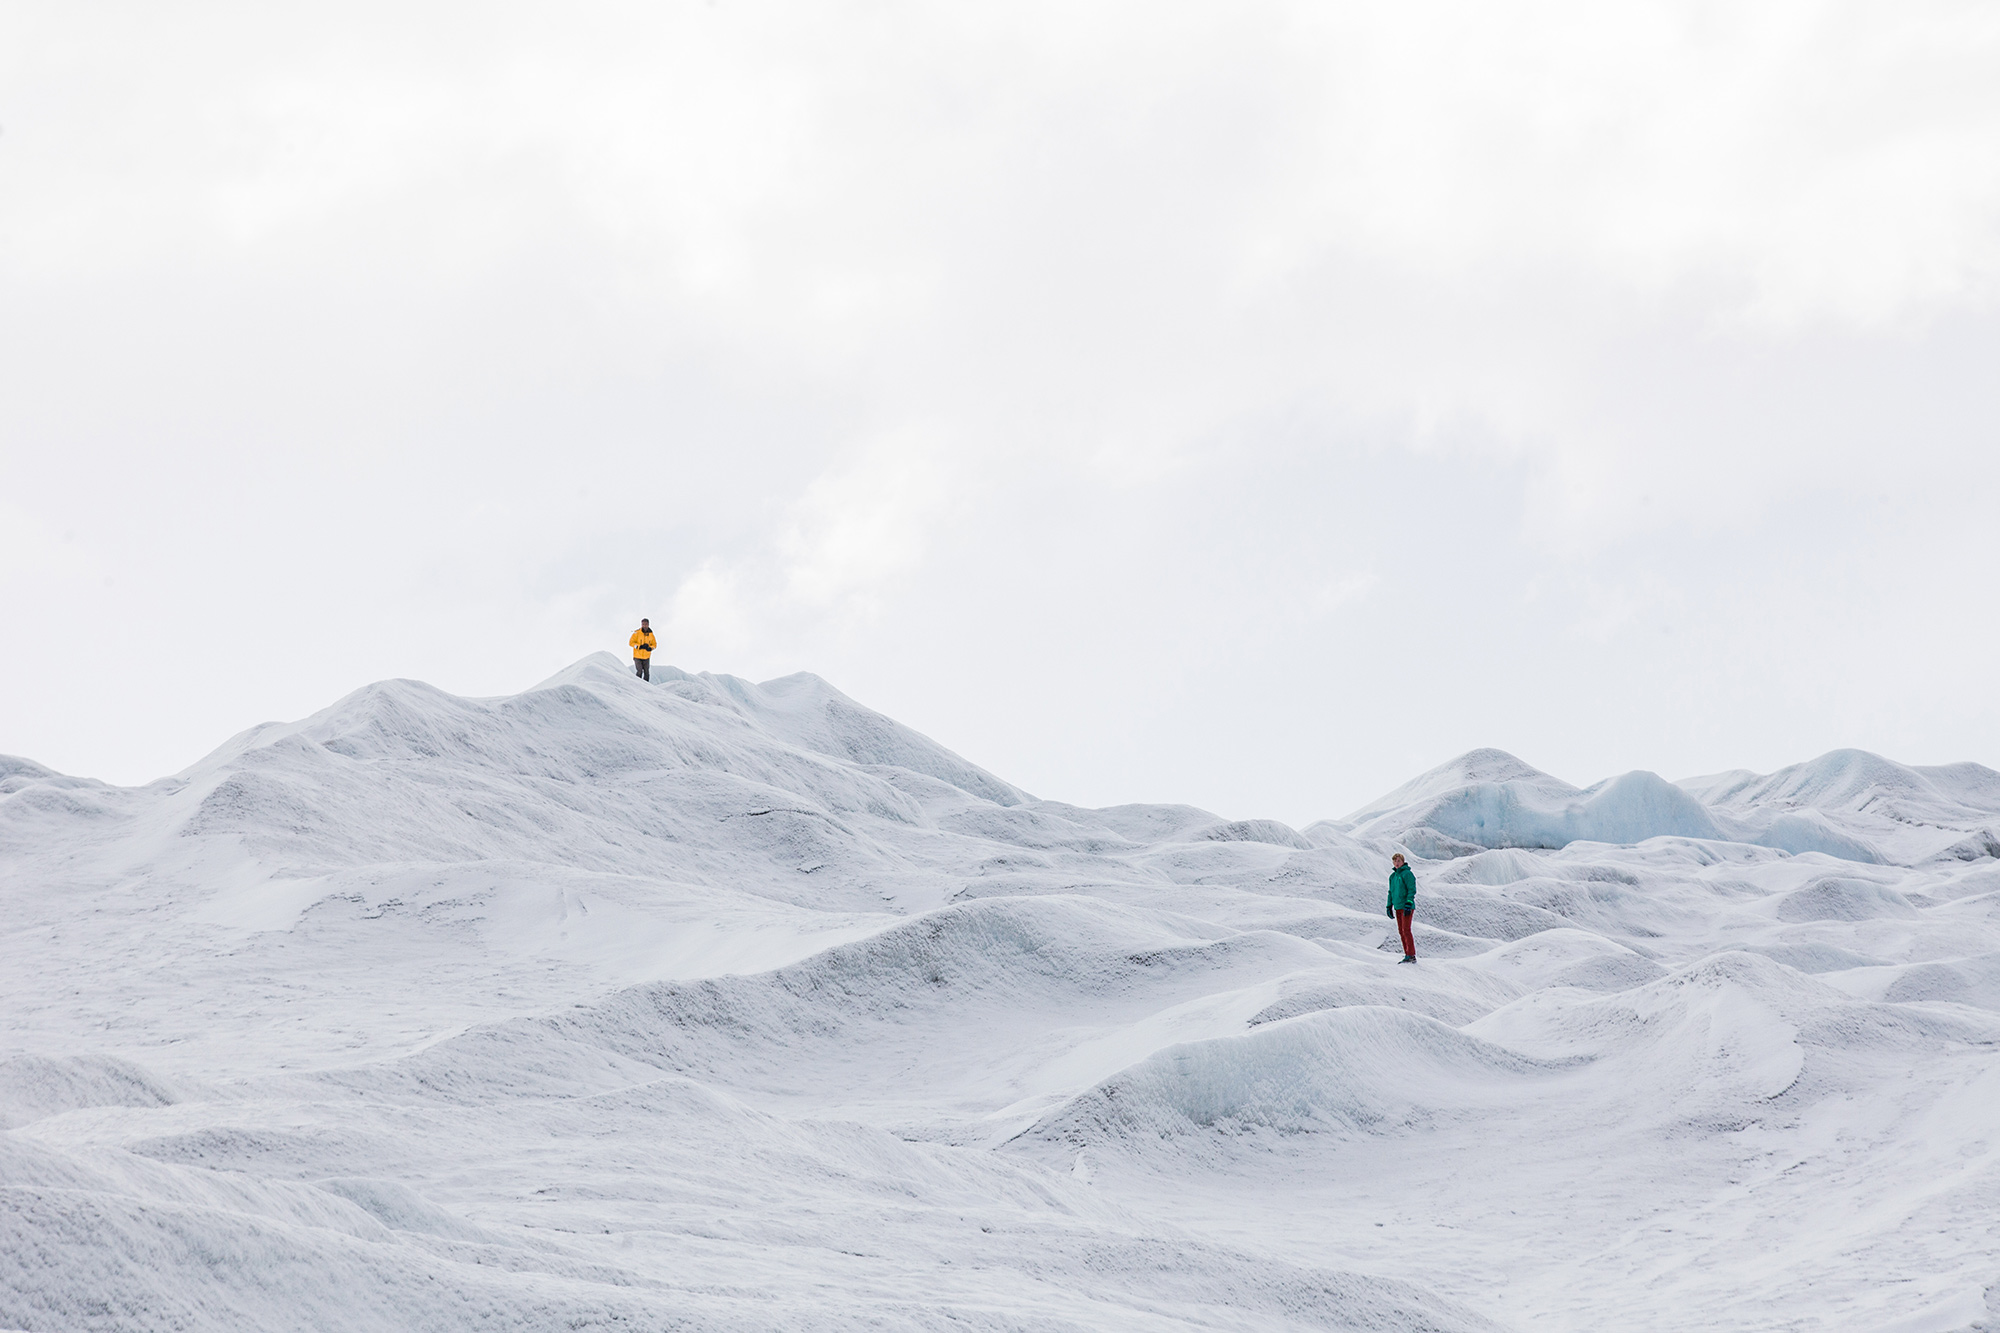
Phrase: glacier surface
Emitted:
{"points": [[704, 1004]]}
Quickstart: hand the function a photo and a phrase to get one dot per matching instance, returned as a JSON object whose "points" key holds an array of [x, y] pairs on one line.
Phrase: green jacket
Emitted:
{"points": [[1402, 890]]}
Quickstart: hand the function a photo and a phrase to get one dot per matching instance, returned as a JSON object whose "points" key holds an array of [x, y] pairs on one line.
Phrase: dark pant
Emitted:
{"points": [[1403, 915], [642, 667]]}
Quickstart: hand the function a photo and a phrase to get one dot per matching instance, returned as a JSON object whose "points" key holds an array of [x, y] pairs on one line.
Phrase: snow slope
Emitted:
{"points": [[714, 1005]]}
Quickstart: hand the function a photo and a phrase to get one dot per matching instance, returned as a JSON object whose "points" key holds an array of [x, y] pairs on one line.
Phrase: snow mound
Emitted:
{"points": [[1974, 981], [1975, 786], [33, 1086], [592, 771], [1453, 999], [1427, 844], [1702, 1045], [1345, 1072], [15, 770], [1494, 868], [1980, 845], [75, 1260], [1474, 768], [1815, 958], [953, 992], [1253, 830], [811, 714], [1486, 916], [400, 1208], [1141, 823], [1839, 899], [1618, 972], [1801, 831], [1566, 957]]}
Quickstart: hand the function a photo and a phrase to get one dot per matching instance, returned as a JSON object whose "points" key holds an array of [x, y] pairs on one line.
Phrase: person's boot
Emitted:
{"points": [[1409, 958]]}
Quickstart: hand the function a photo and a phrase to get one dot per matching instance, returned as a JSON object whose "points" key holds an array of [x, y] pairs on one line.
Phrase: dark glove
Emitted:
{"points": [[1388, 911]]}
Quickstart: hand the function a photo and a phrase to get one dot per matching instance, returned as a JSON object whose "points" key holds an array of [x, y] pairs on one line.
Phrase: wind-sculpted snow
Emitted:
{"points": [[1344, 1072], [1856, 781], [33, 1086], [1913, 813], [707, 1004]]}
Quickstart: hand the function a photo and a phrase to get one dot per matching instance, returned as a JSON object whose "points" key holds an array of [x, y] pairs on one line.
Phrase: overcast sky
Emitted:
{"points": [[1246, 404]]}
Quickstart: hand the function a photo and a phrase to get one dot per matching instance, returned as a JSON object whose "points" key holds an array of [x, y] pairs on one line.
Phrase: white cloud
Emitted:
{"points": [[817, 327], [707, 614], [864, 524]]}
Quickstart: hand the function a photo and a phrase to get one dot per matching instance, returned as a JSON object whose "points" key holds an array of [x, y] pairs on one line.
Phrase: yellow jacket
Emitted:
{"points": [[643, 643]]}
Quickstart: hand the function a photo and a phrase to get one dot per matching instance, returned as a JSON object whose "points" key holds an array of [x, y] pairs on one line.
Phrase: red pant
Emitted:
{"points": [[1403, 929]]}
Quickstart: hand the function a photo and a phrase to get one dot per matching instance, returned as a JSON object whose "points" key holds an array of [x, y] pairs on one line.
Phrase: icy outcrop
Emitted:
{"points": [[1847, 805], [1489, 799]]}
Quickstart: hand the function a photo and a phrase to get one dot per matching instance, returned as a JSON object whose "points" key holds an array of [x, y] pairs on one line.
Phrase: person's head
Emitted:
{"points": [[645, 623], [1397, 860]]}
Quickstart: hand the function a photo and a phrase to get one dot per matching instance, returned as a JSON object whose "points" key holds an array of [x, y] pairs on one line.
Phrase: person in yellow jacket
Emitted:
{"points": [[643, 644]]}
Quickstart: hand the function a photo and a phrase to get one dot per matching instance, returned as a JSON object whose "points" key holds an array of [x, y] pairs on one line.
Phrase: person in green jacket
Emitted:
{"points": [[1403, 904]]}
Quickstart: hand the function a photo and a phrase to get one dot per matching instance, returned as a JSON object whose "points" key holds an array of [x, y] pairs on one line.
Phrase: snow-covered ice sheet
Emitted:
{"points": [[711, 1005]]}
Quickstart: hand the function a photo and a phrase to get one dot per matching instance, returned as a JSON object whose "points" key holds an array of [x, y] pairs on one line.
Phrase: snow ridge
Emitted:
{"points": [[708, 1004]]}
